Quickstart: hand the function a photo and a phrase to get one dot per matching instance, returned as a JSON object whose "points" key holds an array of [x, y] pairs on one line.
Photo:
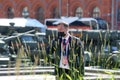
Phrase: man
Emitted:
{"points": [[68, 52]]}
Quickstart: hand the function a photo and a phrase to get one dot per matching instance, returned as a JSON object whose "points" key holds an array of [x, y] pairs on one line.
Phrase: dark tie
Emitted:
{"points": [[64, 41]]}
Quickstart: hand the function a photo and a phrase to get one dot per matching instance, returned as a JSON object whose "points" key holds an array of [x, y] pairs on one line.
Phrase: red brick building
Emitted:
{"points": [[42, 9]]}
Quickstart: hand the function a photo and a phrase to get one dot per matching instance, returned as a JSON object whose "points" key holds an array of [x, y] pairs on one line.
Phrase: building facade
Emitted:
{"points": [[42, 9]]}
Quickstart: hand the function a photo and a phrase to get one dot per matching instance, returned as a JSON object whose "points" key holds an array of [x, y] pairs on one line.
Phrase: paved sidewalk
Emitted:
{"points": [[28, 77], [98, 70], [92, 73], [99, 76]]}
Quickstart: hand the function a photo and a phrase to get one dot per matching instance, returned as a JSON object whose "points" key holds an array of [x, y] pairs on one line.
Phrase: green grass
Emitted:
{"points": [[96, 60]]}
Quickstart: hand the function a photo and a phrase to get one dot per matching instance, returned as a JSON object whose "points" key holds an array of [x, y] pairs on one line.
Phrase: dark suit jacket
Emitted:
{"points": [[75, 53]]}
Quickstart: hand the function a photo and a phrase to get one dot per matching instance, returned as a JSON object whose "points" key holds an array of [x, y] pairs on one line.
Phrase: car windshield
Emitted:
{"points": [[28, 39]]}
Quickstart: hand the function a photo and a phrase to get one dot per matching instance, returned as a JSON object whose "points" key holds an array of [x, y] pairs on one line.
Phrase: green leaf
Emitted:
{"points": [[68, 77], [108, 72], [61, 77], [80, 78]]}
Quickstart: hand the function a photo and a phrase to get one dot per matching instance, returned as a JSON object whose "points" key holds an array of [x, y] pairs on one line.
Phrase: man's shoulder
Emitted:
{"points": [[77, 40]]}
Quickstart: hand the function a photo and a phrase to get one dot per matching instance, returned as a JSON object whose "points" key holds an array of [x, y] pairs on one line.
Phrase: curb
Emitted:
{"points": [[104, 71]]}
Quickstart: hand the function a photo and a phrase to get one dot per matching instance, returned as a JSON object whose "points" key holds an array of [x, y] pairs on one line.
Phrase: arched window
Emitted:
{"points": [[55, 13], [10, 12], [25, 12], [96, 12], [40, 14], [79, 12], [118, 14]]}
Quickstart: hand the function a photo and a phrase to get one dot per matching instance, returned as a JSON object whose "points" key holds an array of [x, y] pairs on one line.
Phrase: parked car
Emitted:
{"points": [[31, 43], [4, 54], [104, 47]]}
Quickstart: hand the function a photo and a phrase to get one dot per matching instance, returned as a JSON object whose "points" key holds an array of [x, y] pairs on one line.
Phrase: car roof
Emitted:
{"points": [[87, 19]]}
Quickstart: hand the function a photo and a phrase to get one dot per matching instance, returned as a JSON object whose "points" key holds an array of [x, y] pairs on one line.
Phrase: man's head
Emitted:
{"points": [[62, 27]]}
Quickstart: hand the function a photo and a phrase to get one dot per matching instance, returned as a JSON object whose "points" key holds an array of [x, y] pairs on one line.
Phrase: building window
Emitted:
{"points": [[25, 12], [55, 13], [10, 12], [79, 12], [40, 14], [118, 18], [96, 12]]}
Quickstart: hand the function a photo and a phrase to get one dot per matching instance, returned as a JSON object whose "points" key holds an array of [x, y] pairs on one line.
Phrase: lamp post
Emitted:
{"points": [[116, 13], [112, 16], [12, 24], [11, 29], [60, 8], [67, 8]]}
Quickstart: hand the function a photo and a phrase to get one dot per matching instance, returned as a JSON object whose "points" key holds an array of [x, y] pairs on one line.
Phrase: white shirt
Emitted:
{"points": [[61, 65]]}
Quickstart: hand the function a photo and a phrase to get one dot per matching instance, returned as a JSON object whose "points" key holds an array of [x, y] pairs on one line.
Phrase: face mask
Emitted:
{"points": [[61, 34]]}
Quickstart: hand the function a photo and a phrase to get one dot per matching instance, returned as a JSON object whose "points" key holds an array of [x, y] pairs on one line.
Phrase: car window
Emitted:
{"points": [[87, 23], [94, 24], [28, 39]]}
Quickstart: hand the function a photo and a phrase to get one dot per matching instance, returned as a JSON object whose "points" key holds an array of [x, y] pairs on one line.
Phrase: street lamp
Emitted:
{"points": [[12, 24], [67, 8], [60, 7], [112, 15]]}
